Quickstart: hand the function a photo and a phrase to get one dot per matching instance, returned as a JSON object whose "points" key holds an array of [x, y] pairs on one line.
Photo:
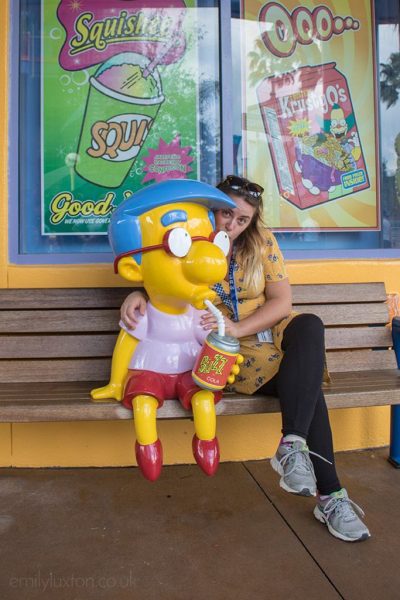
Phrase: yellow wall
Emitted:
{"points": [[109, 443], [112, 444], [347, 271], [318, 271]]}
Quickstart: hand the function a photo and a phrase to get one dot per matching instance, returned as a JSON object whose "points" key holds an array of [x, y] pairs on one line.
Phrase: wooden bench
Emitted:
{"points": [[56, 346]]}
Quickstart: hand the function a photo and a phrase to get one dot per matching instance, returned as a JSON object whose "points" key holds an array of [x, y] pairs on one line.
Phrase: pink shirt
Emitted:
{"points": [[167, 343]]}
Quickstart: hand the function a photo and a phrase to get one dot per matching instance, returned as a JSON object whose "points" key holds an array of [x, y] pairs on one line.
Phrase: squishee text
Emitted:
{"points": [[125, 28]]}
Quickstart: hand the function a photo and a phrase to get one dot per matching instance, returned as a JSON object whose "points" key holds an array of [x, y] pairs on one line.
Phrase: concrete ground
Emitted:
{"points": [[82, 534]]}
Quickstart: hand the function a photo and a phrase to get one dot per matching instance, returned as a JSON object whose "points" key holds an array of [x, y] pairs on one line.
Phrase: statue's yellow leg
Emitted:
{"points": [[205, 443], [148, 446], [205, 420], [144, 413], [124, 348]]}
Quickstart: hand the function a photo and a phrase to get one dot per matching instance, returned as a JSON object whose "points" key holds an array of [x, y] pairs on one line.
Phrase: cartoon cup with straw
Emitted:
{"points": [[218, 361], [124, 98], [70, 161]]}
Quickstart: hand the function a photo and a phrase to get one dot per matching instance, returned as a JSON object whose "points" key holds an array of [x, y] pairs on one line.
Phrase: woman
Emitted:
{"points": [[284, 356]]}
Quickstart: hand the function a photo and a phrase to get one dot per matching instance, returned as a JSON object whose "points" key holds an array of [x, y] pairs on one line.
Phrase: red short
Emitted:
{"points": [[162, 387]]}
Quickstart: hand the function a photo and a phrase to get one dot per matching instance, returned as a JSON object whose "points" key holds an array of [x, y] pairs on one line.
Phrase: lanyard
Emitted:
{"points": [[230, 300], [232, 288]]}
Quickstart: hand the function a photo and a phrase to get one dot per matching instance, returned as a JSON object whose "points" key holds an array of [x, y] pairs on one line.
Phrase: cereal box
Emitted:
{"points": [[312, 135]]}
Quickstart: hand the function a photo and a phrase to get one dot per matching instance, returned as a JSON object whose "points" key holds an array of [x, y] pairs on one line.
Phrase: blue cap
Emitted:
{"points": [[124, 229]]}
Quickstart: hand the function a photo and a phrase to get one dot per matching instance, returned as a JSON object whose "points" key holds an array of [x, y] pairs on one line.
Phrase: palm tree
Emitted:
{"points": [[262, 64], [390, 80], [390, 87]]}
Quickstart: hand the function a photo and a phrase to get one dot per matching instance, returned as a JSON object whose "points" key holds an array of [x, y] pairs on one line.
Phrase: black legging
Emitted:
{"points": [[298, 387]]}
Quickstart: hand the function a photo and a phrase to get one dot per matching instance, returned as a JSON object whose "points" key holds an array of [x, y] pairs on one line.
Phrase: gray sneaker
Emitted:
{"points": [[292, 461], [342, 517]]}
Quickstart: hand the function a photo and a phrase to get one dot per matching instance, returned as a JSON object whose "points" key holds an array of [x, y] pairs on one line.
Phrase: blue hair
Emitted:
{"points": [[124, 231]]}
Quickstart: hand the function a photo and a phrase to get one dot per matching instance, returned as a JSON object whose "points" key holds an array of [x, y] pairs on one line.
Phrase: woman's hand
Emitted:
{"points": [[136, 301], [208, 321]]}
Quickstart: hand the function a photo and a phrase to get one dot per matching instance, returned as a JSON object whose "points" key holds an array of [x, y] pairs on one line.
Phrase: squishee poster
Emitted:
{"points": [[309, 119], [119, 105]]}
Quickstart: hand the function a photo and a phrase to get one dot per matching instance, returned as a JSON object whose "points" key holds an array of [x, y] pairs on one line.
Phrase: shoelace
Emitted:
{"points": [[344, 506], [297, 453]]}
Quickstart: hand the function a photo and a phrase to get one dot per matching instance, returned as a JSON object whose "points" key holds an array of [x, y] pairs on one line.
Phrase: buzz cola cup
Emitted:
{"points": [[121, 107], [215, 361]]}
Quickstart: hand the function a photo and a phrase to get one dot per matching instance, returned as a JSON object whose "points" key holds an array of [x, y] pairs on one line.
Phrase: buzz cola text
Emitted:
{"points": [[212, 365]]}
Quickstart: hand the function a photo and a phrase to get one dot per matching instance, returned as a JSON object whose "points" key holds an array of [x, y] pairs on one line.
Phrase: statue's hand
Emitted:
{"points": [[111, 391], [235, 368]]}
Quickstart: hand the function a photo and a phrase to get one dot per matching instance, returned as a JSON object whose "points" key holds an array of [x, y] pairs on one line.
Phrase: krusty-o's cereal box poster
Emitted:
{"points": [[309, 114]]}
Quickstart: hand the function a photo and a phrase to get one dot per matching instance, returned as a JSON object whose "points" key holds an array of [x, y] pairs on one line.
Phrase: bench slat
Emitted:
{"points": [[32, 347], [361, 360], [46, 391], [31, 321], [81, 411], [347, 314], [61, 372], [113, 297], [57, 346], [382, 389], [62, 298], [81, 321], [358, 337], [338, 293], [85, 369], [107, 320]]}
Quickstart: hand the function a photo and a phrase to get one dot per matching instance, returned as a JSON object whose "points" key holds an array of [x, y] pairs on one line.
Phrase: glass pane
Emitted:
{"points": [[304, 124], [110, 99], [388, 18]]}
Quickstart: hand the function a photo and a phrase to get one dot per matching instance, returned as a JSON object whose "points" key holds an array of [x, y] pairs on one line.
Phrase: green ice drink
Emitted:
{"points": [[122, 103]]}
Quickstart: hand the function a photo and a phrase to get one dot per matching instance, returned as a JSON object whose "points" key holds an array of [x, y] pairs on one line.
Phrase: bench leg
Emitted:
{"points": [[394, 455]]}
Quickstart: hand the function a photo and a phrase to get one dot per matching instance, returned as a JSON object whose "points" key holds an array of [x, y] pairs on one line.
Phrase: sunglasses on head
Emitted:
{"points": [[238, 184]]}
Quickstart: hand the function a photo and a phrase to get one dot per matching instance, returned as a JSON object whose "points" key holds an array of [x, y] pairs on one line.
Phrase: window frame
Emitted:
{"points": [[226, 97]]}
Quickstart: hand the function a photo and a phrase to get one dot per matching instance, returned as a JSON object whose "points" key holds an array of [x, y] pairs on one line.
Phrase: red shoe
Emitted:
{"points": [[206, 453], [149, 459]]}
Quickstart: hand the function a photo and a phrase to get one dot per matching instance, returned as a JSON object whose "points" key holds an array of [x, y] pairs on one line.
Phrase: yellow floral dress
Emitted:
{"points": [[261, 359]]}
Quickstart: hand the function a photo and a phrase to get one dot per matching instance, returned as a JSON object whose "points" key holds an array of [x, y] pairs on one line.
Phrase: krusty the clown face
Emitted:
{"points": [[339, 125]]}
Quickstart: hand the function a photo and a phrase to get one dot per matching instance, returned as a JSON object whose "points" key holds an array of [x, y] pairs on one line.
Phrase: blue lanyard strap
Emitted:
{"points": [[225, 298], [230, 300], [232, 288]]}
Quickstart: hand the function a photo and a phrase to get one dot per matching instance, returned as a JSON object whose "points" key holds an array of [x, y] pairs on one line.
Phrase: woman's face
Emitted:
{"points": [[235, 220]]}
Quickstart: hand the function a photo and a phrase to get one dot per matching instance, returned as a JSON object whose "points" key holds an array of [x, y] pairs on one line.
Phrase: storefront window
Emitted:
{"points": [[308, 125], [388, 18], [113, 95]]}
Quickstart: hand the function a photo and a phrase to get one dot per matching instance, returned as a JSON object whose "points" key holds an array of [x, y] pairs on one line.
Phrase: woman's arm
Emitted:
{"points": [[135, 301], [277, 306]]}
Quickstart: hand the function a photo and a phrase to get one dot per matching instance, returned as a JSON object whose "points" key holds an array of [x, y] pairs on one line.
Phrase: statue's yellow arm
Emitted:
{"points": [[123, 350]]}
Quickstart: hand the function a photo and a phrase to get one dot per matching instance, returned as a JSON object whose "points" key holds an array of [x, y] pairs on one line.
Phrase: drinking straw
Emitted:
{"points": [[218, 315]]}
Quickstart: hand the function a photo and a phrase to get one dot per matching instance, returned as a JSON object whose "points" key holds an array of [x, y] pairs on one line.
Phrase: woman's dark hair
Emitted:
{"points": [[251, 242]]}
